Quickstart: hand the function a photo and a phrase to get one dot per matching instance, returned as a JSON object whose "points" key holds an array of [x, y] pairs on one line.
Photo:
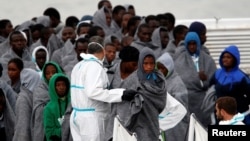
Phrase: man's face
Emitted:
{"points": [[8, 28], [41, 58], [119, 16], [101, 33], [84, 30], [108, 5], [164, 38], [218, 113], [144, 34], [182, 35], [153, 24], [148, 64], [108, 19], [61, 88], [125, 19], [68, 33], [192, 47], [131, 11], [18, 42], [81, 48], [203, 37], [110, 52]]}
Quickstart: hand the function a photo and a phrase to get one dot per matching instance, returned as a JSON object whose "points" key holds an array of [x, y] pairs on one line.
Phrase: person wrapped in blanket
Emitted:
{"points": [[142, 118]]}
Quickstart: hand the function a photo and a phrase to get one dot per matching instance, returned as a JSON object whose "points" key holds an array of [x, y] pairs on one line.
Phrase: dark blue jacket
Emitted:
{"points": [[233, 83]]}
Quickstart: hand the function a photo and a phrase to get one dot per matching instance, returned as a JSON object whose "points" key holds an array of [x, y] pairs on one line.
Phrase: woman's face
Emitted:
{"points": [[228, 60], [13, 72], [148, 64]]}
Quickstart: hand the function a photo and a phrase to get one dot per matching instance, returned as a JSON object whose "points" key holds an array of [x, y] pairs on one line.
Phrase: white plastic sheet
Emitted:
{"points": [[121, 134], [196, 131]]}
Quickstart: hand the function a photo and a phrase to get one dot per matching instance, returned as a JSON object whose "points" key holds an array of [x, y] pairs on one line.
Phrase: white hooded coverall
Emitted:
{"points": [[90, 99]]}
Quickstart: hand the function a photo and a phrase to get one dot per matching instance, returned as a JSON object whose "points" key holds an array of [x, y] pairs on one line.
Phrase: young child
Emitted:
{"points": [[59, 86]]}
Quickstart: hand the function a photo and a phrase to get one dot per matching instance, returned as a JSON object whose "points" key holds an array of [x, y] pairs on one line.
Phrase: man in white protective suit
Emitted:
{"points": [[90, 96]]}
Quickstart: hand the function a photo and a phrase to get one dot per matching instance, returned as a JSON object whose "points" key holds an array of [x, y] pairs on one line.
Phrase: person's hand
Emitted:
{"points": [[128, 94], [202, 76]]}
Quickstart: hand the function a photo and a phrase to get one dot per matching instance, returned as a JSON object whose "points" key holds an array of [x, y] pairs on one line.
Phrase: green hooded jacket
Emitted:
{"points": [[55, 109]]}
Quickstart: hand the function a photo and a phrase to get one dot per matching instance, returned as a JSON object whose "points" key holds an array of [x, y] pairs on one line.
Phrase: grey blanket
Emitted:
{"points": [[40, 99], [66, 134], [9, 121], [154, 101], [23, 115], [208, 106], [10, 94], [185, 67]]}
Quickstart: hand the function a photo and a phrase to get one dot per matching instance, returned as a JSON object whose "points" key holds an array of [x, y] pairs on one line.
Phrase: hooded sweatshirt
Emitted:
{"points": [[55, 109], [199, 27], [40, 99], [34, 57], [233, 83]]}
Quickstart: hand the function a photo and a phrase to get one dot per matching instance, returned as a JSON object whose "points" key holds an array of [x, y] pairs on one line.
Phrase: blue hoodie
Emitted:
{"points": [[233, 83], [192, 36]]}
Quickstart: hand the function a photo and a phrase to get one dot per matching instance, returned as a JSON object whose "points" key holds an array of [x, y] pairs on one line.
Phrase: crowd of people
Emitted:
{"points": [[68, 80]]}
